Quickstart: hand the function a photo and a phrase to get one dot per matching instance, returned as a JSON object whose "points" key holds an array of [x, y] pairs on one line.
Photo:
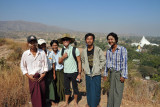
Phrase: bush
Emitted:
{"points": [[16, 54], [3, 64], [156, 77], [147, 71]]}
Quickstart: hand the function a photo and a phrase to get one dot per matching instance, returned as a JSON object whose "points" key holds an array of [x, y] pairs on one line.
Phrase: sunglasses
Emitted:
{"points": [[65, 39]]}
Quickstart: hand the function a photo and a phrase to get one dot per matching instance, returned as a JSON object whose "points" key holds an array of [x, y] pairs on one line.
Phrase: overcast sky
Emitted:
{"points": [[121, 16]]}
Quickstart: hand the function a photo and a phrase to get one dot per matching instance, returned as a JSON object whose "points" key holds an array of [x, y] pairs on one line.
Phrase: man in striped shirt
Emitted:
{"points": [[116, 63]]}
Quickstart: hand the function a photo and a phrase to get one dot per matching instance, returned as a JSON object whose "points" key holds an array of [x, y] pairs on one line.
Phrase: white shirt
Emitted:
{"points": [[50, 60], [34, 64], [57, 65]]}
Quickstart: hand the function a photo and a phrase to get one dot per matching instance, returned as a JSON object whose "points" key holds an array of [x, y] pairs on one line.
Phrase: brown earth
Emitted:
{"points": [[4, 52], [103, 103]]}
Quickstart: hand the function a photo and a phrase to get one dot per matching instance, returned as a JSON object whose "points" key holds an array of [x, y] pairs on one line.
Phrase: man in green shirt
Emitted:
{"points": [[71, 72]]}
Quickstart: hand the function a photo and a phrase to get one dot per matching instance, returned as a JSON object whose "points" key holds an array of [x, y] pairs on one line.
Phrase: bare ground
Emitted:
{"points": [[103, 103]]}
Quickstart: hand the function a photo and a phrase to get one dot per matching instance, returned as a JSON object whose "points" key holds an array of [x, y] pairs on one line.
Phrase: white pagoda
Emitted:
{"points": [[143, 42]]}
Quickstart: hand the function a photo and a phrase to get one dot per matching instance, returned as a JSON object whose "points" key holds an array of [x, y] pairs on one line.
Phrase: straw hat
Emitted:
{"points": [[66, 35]]}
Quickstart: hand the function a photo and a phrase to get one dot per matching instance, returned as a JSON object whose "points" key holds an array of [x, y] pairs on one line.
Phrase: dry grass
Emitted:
{"points": [[14, 86], [15, 91], [140, 90]]}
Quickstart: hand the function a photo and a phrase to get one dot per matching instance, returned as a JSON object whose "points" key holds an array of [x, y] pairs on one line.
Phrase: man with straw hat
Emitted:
{"points": [[72, 66]]}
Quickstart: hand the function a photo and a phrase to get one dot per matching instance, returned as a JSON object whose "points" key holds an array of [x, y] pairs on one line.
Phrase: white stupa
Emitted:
{"points": [[143, 42]]}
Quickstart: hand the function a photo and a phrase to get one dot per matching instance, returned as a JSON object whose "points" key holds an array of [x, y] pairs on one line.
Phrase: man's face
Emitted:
{"points": [[43, 46], [89, 40], [111, 40], [66, 41], [54, 47], [32, 44]]}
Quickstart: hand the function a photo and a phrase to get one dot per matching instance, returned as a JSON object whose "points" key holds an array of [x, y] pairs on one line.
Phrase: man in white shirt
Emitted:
{"points": [[34, 65]]}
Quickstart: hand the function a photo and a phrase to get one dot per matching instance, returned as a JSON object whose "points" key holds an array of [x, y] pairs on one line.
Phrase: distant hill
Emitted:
{"points": [[29, 27]]}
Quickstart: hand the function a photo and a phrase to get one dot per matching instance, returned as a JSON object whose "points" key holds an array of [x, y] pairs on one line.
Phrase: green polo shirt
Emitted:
{"points": [[70, 65]]}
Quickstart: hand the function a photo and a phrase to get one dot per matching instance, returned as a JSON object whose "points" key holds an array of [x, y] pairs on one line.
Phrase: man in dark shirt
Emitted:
{"points": [[93, 60]]}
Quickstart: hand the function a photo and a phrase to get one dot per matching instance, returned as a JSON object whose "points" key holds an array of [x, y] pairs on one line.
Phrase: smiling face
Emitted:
{"points": [[111, 40], [66, 42], [89, 40], [54, 47]]}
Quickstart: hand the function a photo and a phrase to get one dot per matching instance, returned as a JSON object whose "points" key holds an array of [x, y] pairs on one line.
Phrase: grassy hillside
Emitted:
{"points": [[14, 86]]}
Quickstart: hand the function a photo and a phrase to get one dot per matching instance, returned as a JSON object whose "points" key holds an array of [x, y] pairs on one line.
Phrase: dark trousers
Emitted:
{"points": [[93, 87], [68, 77], [60, 85], [50, 85]]}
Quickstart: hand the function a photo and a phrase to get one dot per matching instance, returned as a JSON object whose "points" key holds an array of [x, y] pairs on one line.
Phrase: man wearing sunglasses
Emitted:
{"points": [[72, 67]]}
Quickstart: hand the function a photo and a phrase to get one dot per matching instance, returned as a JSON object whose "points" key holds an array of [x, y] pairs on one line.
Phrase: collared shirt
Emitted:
{"points": [[117, 61], [70, 65], [57, 65], [34, 64], [50, 59]]}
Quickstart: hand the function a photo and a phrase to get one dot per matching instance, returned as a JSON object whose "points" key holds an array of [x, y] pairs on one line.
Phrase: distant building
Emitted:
{"points": [[143, 42]]}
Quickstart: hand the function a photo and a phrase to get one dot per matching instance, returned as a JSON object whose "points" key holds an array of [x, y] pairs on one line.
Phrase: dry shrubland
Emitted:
{"points": [[15, 91], [14, 86]]}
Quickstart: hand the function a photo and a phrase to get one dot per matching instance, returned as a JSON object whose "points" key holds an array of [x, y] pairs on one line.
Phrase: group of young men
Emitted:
{"points": [[49, 69]]}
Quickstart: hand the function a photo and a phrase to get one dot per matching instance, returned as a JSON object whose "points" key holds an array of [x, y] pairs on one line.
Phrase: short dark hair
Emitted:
{"points": [[54, 41], [90, 34], [113, 35]]}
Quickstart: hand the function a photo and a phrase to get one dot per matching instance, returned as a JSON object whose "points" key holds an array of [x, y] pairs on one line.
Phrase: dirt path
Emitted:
{"points": [[103, 103]]}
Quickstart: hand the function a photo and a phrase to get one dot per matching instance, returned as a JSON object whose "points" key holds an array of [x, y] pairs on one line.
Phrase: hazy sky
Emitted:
{"points": [[121, 16]]}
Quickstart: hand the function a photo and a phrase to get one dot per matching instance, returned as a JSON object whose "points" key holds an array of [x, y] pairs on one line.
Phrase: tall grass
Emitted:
{"points": [[140, 90], [14, 86]]}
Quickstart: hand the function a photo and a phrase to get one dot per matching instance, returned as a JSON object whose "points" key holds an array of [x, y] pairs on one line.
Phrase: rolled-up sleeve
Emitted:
{"points": [[77, 52], [23, 65]]}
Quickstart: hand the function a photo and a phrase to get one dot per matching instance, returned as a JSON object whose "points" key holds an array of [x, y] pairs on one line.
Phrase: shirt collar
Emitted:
{"points": [[68, 47], [118, 48], [29, 53], [54, 53]]}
